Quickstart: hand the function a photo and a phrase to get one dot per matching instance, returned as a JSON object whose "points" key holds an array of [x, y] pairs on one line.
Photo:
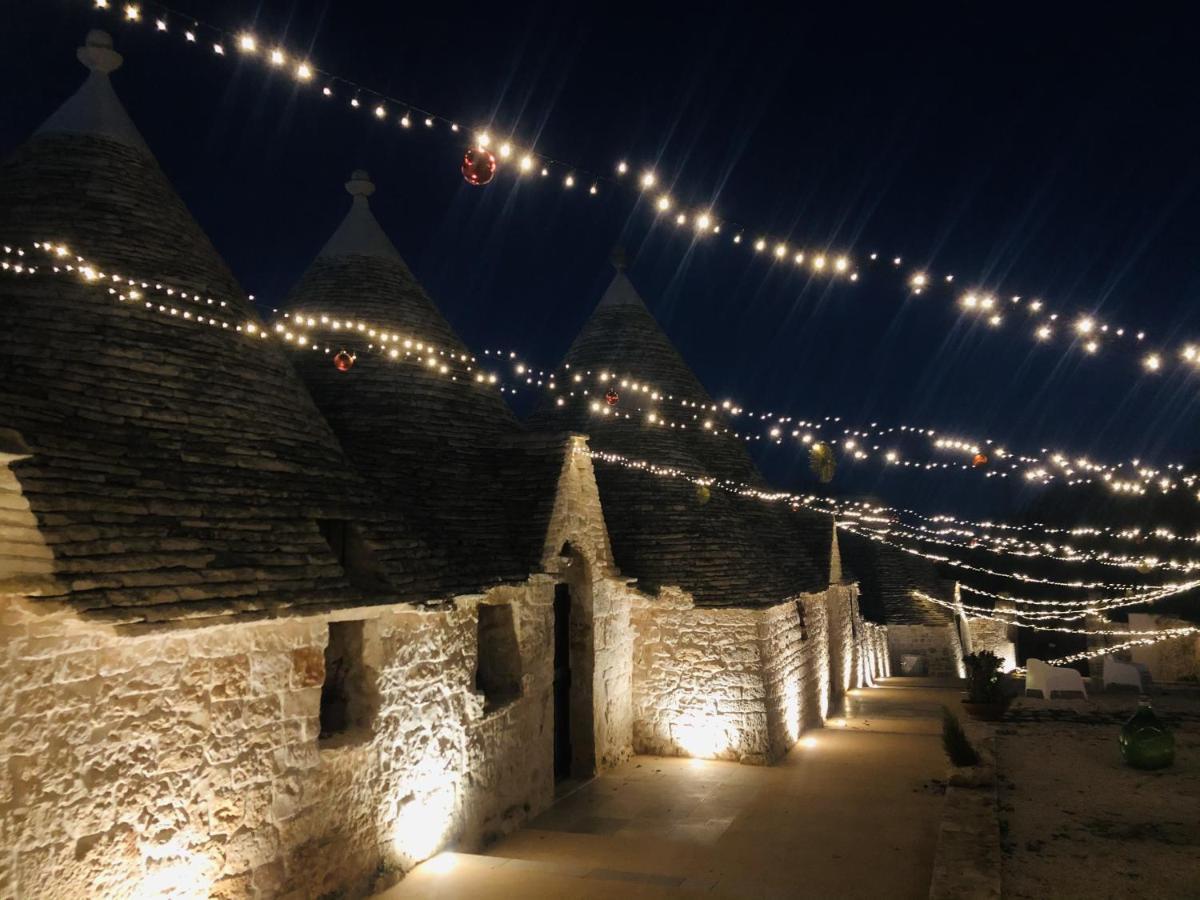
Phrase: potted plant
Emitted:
{"points": [[985, 697]]}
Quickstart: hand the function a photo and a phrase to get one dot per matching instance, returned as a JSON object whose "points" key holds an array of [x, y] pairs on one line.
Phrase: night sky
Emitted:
{"points": [[1033, 151]]}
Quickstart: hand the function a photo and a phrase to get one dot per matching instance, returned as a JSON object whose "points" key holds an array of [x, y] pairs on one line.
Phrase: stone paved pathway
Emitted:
{"points": [[852, 811]]}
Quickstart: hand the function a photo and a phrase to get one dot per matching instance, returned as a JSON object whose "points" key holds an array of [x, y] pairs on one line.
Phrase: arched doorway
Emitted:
{"points": [[574, 669]]}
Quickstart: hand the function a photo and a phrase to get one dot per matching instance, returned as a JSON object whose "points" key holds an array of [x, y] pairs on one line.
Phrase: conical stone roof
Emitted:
{"points": [[722, 548], [444, 449], [886, 579], [174, 469]]}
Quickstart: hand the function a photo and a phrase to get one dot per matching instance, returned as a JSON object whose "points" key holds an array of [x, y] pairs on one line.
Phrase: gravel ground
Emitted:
{"points": [[1076, 822]]}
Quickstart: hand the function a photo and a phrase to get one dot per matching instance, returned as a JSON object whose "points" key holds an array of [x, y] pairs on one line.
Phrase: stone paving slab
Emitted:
{"points": [[850, 812]]}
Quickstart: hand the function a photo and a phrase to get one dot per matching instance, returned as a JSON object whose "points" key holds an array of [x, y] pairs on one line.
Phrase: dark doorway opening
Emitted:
{"points": [[562, 682]]}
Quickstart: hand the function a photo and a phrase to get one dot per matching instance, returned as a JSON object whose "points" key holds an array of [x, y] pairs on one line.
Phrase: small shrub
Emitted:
{"points": [[955, 741], [983, 677]]}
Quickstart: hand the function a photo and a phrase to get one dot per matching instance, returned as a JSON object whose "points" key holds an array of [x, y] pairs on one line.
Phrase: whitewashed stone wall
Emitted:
{"points": [[1172, 660], [188, 759], [602, 606], [938, 645], [740, 683], [191, 758], [697, 680], [988, 634]]}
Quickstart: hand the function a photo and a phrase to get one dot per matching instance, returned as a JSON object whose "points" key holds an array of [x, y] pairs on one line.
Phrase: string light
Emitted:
{"points": [[430, 356], [983, 613], [1118, 648], [1039, 468]]}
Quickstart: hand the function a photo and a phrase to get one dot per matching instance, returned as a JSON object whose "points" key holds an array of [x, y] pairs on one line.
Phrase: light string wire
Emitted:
{"points": [[395, 345], [1031, 550], [1087, 331], [1015, 576], [978, 612], [1110, 649], [778, 428], [63, 261]]}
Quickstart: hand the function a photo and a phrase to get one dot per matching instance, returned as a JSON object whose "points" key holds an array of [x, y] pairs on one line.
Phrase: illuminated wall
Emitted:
{"points": [[937, 645], [192, 760], [741, 683], [188, 761]]}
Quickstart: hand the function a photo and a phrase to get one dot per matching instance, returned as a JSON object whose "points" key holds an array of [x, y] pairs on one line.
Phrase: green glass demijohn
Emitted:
{"points": [[1146, 742]]}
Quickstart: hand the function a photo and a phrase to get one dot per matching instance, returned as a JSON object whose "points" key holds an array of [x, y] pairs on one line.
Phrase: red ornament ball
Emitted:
{"points": [[343, 360], [611, 398], [478, 166], [979, 460]]}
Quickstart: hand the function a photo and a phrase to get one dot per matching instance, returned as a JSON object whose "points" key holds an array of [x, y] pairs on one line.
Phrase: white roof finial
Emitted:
{"points": [[360, 184], [97, 53], [95, 109], [360, 233]]}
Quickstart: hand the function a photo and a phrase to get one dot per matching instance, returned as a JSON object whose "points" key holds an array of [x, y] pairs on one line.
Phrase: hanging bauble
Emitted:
{"points": [[822, 462], [611, 398], [343, 360], [980, 459], [1146, 742], [478, 166]]}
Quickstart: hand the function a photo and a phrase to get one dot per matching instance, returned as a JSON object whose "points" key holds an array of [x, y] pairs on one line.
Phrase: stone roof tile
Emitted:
{"points": [[174, 470], [722, 548]]}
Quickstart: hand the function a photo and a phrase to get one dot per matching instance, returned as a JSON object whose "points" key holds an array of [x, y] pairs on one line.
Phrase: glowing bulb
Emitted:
{"points": [[354, 102], [428, 122], [247, 43], [505, 150], [919, 280], [1043, 333], [1091, 346], [380, 112], [569, 181], [622, 168], [1085, 325], [406, 122], [703, 221], [303, 72], [664, 203], [526, 163], [841, 264], [780, 250], [277, 57], [593, 190], [818, 263], [760, 245], [133, 12], [101, 4], [994, 321], [190, 36], [327, 91], [483, 139], [648, 180], [1152, 362], [218, 49], [160, 25]]}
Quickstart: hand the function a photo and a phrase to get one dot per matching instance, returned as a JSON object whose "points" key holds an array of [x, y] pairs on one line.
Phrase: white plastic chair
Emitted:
{"points": [[1117, 672], [1048, 679]]}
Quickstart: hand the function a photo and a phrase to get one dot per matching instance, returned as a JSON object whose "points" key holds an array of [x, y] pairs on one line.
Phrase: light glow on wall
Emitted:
{"points": [[701, 735]]}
